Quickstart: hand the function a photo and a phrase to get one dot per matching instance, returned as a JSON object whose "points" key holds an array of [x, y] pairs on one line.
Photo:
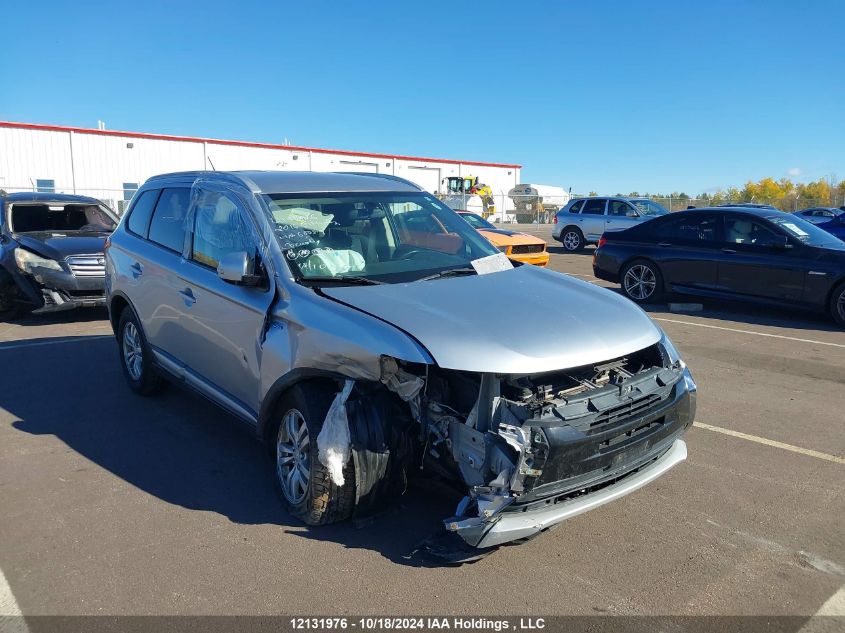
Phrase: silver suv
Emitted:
{"points": [[583, 220], [362, 329]]}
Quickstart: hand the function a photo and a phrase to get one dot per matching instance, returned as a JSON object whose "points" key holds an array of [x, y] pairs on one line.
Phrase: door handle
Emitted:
{"points": [[664, 244], [136, 269], [729, 251], [188, 297]]}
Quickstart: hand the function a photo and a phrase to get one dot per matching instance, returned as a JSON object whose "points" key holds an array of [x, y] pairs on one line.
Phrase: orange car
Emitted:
{"points": [[519, 246]]}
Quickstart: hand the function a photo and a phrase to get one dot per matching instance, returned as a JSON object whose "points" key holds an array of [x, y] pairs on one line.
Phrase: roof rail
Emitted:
{"points": [[385, 176]]}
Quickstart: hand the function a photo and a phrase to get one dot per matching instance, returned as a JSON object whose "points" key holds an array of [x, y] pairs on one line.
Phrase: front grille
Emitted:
{"points": [[525, 249], [87, 265], [620, 413]]}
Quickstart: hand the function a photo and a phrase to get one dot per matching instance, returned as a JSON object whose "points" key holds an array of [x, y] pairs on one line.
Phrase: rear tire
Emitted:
{"points": [[837, 304], [572, 239], [304, 484], [136, 359], [642, 282]]}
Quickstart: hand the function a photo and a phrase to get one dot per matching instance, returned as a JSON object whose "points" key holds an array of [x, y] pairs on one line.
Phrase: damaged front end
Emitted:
{"points": [[534, 450]]}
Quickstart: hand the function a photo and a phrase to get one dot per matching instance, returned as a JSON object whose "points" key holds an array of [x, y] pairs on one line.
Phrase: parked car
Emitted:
{"points": [[359, 349], [835, 226], [584, 220], [51, 252], [819, 215], [755, 255], [521, 247]]}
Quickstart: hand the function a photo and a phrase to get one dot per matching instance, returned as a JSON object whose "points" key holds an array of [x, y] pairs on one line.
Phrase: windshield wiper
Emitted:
{"points": [[352, 280], [451, 272]]}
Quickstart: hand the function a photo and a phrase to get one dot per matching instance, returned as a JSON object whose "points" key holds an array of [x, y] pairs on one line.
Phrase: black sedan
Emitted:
{"points": [[756, 255]]}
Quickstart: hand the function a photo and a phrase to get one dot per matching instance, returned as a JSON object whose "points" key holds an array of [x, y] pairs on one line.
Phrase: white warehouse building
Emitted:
{"points": [[110, 165]]}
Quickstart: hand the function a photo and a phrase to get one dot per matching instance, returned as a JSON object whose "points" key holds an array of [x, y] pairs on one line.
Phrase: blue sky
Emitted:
{"points": [[605, 96]]}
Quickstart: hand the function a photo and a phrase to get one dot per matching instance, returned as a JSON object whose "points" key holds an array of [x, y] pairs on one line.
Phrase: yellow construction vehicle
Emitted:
{"points": [[465, 193]]}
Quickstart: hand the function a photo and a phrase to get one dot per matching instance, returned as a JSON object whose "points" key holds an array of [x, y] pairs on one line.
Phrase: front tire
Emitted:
{"points": [[837, 304], [304, 484], [572, 239], [135, 356], [642, 281]]}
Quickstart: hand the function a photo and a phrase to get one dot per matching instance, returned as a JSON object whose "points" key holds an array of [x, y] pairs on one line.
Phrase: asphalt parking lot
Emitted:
{"points": [[115, 504]]}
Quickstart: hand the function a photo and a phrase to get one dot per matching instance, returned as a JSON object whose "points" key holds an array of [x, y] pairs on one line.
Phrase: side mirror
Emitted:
{"points": [[237, 268], [632, 214], [785, 244]]}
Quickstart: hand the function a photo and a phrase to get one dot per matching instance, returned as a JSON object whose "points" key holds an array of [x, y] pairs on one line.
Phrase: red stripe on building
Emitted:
{"points": [[216, 141]]}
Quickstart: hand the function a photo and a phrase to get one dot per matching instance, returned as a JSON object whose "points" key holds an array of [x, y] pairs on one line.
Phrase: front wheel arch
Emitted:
{"points": [[835, 290], [268, 421]]}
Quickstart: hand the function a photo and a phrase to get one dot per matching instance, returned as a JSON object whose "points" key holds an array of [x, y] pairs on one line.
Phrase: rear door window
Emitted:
{"points": [[694, 229], [167, 227], [594, 207], [139, 218]]}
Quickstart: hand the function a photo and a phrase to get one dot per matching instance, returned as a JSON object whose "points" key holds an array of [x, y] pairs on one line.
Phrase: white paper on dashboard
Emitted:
{"points": [[491, 264]]}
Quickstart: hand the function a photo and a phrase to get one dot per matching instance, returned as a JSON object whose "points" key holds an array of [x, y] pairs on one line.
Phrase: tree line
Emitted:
{"points": [[783, 194]]}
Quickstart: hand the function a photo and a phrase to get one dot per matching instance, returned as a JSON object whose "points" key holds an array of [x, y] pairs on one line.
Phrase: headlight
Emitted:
{"points": [[27, 261], [504, 249], [671, 351]]}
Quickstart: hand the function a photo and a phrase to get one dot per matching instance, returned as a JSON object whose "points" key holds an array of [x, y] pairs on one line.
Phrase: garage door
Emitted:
{"points": [[426, 177], [354, 165]]}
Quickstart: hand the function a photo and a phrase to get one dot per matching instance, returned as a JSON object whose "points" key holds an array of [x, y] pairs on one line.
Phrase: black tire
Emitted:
{"points": [[641, 281], [138, 368], [322, 501], [9, 301], [837, 304], [572, 239]]}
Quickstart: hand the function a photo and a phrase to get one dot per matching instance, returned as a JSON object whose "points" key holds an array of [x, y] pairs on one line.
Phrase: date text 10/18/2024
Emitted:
{"points": [[383, 623]]}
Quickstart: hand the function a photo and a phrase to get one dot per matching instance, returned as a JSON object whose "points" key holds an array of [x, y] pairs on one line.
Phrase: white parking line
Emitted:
{"points": [[762, 440], [730, 329], [834, 606], [11, 618]]}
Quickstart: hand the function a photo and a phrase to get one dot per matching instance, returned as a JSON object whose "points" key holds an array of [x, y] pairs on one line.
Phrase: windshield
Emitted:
{"points": [[476, 221], [649, 207], [58, 216], [382, 237], [808, 232]]}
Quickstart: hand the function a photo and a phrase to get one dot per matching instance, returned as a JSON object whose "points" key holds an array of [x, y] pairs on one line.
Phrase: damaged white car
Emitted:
{"points": [[367, 333]]}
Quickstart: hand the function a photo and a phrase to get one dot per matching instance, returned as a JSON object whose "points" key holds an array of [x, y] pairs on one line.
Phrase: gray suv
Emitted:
{"points": [[363, 330], [583, 220]]}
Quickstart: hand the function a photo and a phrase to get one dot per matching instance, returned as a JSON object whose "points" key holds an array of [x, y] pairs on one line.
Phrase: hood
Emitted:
{"points": [[519, 321], [502, 237], [61, 244]]}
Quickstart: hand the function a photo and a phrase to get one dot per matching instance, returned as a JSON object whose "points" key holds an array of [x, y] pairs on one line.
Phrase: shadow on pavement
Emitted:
{"points": [[560, 250], [80, 315], [180, 448]]}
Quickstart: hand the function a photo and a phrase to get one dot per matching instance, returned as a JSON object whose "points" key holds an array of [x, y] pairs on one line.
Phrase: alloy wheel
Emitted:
{"points": [[293, 456], [840, 305], [640, 282], [132, 353], [571, 241]]}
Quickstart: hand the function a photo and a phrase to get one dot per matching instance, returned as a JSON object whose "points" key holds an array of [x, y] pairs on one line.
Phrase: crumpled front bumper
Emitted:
{"points": [[55, 291], [513, 526], [623, 468]]}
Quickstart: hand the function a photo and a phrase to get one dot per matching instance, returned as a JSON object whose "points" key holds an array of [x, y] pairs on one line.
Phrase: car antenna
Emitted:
{"points": [[213, 168]]}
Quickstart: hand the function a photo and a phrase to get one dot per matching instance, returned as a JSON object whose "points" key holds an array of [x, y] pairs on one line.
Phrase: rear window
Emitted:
{"points": [[576, 207], [139, 218], [26, 218], [167, 227], [593, 207]]}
